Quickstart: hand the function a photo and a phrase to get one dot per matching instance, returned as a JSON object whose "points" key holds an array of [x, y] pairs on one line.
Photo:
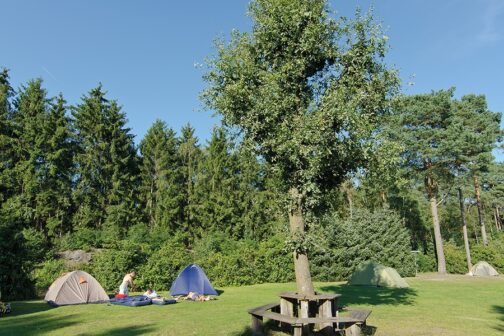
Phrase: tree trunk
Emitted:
{"points": [[441, 263], [297, 226], [497, 218], [480, 210], [464, 229]]}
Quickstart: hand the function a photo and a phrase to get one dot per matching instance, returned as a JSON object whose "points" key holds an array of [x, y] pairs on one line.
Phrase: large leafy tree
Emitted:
{"points": [[305, 90]]}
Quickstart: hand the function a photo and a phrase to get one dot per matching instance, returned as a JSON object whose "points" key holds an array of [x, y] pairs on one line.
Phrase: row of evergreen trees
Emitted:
{"points": [[69, 167]]}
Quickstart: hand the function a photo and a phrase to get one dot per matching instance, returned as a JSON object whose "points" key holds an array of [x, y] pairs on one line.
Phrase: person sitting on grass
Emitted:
{"points": [[126, 283], [150, 293]]}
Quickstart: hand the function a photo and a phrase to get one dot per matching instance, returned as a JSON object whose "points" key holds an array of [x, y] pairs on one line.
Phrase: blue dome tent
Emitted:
{"points": [[192, 279]]}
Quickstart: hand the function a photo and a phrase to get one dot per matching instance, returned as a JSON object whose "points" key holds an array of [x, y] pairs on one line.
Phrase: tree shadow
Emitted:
{"points": [[499, 310], [269, 327], [122, 331], [28, 307], [368, 295], [35, 325]]}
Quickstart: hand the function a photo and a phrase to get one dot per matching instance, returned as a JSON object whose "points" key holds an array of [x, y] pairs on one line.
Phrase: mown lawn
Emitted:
{"points": [[451, 305]]}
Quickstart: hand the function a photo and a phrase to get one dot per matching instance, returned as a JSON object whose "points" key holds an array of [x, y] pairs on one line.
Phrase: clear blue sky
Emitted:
{"points": [[144, 52]]}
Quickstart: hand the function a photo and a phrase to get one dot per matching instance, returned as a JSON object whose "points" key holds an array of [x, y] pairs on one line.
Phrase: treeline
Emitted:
{"points": [[71, 177]]}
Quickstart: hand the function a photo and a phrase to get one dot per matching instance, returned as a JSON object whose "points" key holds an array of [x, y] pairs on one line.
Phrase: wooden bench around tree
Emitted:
{"points": [[351, 324]]}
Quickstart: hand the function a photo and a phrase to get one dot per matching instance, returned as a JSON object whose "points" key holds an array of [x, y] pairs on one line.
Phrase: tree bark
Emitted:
{"points": [[301, 263], [441, 263], [464, 229], [497, 218], [480, 210]]}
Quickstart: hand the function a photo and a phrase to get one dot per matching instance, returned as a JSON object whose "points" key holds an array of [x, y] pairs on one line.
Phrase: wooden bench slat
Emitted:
{"points": [[360, 314], [265, 307]]}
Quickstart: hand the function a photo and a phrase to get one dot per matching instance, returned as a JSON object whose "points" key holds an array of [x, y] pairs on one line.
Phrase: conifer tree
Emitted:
{"points": [[7, 155], [189, 153], [478, 131], [214, 201], [161, 177], [106, 165], [423, 127]]}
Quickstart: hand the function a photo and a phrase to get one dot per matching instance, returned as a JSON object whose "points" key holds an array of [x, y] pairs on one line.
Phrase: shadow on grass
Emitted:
{"points": [[35, 325], [268, 328], [363, 295], [219, 291], [28, 307], [271, 328], [499, 310], [126, 331]]}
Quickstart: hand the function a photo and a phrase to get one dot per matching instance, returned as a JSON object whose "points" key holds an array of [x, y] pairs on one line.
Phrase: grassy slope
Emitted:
{"points": [[453, 305]]}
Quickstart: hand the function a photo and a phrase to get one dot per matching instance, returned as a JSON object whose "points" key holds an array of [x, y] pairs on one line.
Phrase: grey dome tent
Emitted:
{"points": [[75, 288], [192, 279], [483, 268], [374, 274]]}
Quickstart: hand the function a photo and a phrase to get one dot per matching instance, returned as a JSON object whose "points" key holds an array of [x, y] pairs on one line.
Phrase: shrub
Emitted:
{"points": [[426, 262], [82, 239], [163, 265], [378, 236], [47, 272], [455, 259], [110, 265]]}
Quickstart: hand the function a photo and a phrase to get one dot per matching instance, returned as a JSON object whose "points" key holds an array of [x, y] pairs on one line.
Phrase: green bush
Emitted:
{"points": [[455, 259], [110, 265], [163, 266], [47, 272], [82, 239], [378, 236], [426, 262]]}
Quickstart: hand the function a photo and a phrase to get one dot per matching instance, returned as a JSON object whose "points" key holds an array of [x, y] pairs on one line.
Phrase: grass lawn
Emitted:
{"points": [[434, 305]]}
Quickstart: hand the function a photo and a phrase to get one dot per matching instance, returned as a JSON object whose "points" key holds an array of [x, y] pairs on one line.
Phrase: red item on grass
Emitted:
{"points": [[121, 296]]}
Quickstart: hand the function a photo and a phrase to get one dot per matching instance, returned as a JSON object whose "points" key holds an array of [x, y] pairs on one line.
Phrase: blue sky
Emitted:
{"points": [[144, 52]]}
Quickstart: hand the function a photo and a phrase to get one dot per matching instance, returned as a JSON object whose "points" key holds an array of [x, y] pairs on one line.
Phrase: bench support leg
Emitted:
{"points": [[354, 330], [257, 325]]}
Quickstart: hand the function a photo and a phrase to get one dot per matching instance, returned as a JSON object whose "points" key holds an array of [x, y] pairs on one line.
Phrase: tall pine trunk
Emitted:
{"points": [[441, 263], [297, 227], [480, 210], [464, 229]]}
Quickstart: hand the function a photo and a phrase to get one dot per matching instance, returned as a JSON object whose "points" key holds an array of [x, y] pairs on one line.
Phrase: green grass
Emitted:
{"points": [[451, 305]]}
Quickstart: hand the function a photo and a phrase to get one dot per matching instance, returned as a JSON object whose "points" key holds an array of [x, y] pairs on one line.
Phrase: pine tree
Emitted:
{"points": [[161, 177], [214, 190], [59, 169], [423, 127], [106, 165], [7, 155], [478, 131], [31, 133], [189, 153]]}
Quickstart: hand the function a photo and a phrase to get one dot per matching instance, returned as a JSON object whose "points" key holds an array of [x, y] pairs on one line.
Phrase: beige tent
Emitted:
{"points": [[74, 288], [374, 274], [483, 268]]}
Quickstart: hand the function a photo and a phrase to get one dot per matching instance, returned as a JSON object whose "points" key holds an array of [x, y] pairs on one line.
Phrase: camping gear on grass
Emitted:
{"points": [[483, 268], [192, 279], [163, 301], [75, 288], [132, 301], [374, 274]]}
